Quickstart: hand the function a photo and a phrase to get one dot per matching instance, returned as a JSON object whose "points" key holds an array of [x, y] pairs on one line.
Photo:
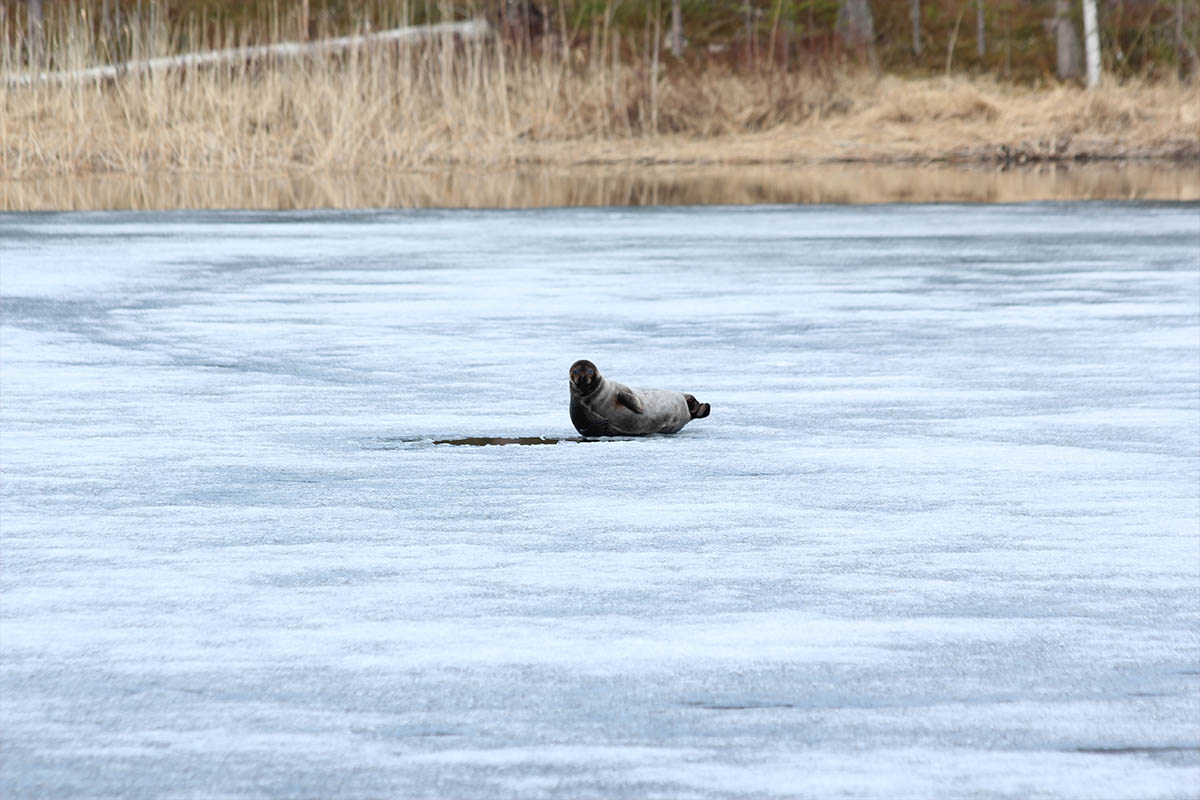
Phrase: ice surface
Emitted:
{"points": [[939, 538]]}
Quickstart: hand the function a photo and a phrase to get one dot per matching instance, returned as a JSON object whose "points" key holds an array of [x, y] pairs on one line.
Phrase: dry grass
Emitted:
{"points": [[484, 105], [956, 119]]}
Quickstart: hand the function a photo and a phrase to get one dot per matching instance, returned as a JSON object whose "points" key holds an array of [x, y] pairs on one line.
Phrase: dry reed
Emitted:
{"points": [[489, 104]]}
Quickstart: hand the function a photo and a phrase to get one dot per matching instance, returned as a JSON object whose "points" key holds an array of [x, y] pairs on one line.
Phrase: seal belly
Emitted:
{"points": [[670, 409], [662, 412]]}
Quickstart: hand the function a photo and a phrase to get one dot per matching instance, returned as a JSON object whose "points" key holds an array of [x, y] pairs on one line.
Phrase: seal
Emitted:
{"points": [[601, 407]]}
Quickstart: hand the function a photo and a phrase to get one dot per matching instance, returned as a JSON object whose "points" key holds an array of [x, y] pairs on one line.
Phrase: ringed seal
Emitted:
{"points": [[601, 407]]}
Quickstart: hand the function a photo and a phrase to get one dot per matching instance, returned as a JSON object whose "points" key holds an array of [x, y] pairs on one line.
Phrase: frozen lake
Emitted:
{"points": [[939, 538]]}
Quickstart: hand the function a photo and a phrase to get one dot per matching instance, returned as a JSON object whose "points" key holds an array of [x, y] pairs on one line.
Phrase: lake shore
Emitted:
{"points": [[610, 185], [467, 126], [895, 121]]}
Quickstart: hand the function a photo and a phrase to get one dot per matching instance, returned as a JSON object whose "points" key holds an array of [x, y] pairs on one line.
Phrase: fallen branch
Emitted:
{"points": [[470, 29]]}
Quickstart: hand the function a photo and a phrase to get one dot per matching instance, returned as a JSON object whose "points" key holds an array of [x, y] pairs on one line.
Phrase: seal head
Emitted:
{"points": [[585, 384], [585, 378]]}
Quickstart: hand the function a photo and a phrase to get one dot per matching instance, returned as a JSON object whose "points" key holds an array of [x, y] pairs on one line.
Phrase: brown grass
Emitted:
{"points": [[486, 105]]}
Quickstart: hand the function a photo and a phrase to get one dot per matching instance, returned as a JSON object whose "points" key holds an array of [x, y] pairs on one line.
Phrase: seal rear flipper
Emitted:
{"points": [[630, 401], [697, 409]]}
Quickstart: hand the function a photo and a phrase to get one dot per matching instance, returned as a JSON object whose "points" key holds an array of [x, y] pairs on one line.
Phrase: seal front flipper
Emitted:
{"points": [[592, 427], [600, 428], [630, 401], [586, 423]]}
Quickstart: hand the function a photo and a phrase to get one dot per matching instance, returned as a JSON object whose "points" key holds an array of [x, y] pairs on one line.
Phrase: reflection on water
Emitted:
{"points": [[608, 186]]}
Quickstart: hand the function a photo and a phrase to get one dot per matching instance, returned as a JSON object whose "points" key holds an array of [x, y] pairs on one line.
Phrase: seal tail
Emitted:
{"points": [[697, 409]]}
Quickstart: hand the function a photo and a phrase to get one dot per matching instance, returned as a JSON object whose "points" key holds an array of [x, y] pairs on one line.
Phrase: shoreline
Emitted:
{"points": [[839, 141], [629, 184], [992, 156], [845, 142]]}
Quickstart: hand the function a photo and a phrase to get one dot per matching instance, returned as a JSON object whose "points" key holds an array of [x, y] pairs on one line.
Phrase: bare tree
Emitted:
{"points": [[916, 26], [1185, 51], [110, 27], [980, 45], [1179, 32], [856, 27], [676, 29], [1091, 36], [37, 32], [750, 38], [1066, 41]]}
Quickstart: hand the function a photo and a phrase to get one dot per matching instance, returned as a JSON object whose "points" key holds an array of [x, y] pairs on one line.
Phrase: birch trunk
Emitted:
{"points": [[1091, 35], [469, 29], [856, 26], [1066, 41], [676, 28]]}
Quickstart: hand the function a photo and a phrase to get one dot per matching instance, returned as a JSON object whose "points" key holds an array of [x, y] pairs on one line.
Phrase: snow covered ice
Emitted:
{"points": [[940, 536]]}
